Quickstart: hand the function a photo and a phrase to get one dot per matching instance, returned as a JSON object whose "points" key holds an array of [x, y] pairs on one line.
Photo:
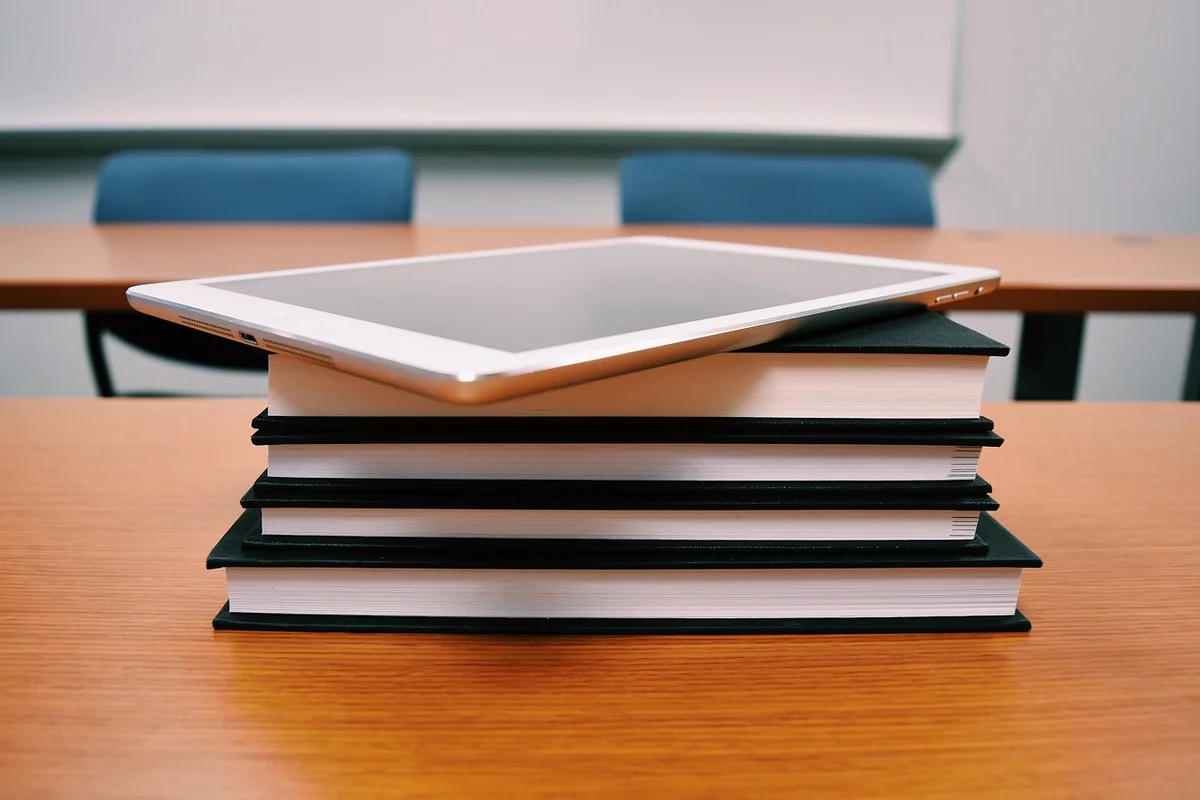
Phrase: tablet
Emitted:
{"points": [[485, 326]]}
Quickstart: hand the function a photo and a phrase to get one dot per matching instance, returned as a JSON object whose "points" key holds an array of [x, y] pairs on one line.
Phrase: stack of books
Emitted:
{"points": [[826, 483]]}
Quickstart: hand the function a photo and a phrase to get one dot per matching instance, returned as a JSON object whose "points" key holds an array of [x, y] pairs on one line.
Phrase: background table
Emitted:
{"points": [[90, 267], [1051, 277], [114, 685]]}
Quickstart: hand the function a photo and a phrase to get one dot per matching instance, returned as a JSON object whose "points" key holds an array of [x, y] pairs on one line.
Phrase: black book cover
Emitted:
{"points": [[250, 526], [316, 623], [917, 333], [277, 430], [273, 492], [1002, 550]]}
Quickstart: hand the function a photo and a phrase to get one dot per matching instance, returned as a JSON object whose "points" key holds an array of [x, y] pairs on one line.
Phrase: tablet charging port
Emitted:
{"points": [[246, 337]]}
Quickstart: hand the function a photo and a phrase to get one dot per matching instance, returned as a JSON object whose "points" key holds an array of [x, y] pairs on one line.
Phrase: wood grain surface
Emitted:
{"points": [[114, 685], [84, 266]]}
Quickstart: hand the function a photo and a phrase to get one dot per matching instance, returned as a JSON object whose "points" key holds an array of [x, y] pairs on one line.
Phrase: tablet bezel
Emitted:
{"points": [[466, 373]]}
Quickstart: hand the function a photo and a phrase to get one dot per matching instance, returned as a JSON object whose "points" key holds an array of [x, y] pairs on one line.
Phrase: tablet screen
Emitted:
{"points": [[529, 300]]}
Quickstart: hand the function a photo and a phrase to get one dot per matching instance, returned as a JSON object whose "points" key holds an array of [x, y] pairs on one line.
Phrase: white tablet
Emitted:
{"points": [[485, 326]]}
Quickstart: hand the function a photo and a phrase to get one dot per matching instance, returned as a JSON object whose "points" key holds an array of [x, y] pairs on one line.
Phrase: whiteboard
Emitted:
{"points": [[818, 67]]}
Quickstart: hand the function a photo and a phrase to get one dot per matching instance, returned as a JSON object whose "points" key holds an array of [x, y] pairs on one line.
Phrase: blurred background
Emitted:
{"points": [[1065, 115]]}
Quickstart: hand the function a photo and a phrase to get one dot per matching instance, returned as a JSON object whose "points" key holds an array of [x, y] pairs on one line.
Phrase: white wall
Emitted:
{"points": [[1079, 115], [1074, 114]]}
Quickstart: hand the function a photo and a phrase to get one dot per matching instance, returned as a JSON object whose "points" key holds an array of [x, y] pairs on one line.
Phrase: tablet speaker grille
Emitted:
{"points": [[206, 326], [296, 351]]}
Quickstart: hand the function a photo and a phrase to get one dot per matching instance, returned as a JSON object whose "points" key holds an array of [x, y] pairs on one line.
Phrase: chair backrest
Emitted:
{"points": [[244, 186], [719, 188], [151, 186]]}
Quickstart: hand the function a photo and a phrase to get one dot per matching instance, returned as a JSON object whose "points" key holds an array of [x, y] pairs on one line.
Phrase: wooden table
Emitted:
{"points": [[114, 685], [1054, 278], [90, 267]]}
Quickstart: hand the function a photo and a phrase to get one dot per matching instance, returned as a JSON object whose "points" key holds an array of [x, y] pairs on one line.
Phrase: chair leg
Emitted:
{"points": [[94, 336], [1048, 363], [1191, 383]]}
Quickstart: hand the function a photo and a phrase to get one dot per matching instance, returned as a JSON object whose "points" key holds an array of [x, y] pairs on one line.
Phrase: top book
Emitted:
{"points": [[919, 366]]}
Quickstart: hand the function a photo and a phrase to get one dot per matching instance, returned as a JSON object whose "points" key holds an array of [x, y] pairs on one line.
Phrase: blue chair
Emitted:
{"points": [[716, 189], [198, 186]]}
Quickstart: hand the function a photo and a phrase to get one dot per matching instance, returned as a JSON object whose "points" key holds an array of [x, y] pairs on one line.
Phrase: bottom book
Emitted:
{"points": [[323, 623], [505, 587]]}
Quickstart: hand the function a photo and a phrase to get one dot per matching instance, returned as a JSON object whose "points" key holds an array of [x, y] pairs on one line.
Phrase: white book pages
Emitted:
{"points": [[829, 386], [626, 462], [626, 594], [623, 525]]}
